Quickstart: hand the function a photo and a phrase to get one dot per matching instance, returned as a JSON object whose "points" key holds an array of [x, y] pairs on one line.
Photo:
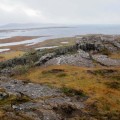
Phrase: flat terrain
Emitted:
{"points": [[17, 39], [19, 50], [47, 43]]}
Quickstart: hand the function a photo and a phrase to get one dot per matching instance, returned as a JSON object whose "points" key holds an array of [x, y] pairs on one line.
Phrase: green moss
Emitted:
{"points": [[105, 51], [73, 92], [14, 99], [53, 71], [116, 77], [19, 70], [62, 75], [113, 85], [7, 101], [104, 71]]}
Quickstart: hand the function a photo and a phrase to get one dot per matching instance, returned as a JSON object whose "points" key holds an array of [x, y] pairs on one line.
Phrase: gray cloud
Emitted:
{"points": [[60, 11]]}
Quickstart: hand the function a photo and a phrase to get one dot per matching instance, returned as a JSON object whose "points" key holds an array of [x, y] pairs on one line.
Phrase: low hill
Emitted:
{"points": [[79, 81]]}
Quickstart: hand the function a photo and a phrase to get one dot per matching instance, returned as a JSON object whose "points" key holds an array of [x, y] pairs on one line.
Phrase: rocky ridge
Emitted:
{"points": [[86, 50], [90, 49]]}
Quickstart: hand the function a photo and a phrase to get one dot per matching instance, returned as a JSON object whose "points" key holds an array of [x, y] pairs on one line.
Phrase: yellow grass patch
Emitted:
{"points": [[93, 85], [58, 42], [10, 55]]}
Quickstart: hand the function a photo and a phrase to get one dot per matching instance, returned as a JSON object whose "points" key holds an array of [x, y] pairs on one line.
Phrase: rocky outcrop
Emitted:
{"points": [[46, 103], [79, 54], [32, 90], [98, 42], [45, 58], [79, 59], [105, 60], [117, 44]]}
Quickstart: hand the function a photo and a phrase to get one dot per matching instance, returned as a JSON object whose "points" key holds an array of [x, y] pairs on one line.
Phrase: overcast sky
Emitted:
{"points": [[60, 11]]}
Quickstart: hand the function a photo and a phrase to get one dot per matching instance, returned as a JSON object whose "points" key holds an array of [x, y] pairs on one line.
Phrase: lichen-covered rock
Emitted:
{"points": [[32, 90], [45, 58], [75, 59], [105, 60], [90, 43], [50, 103], [98, 42]]}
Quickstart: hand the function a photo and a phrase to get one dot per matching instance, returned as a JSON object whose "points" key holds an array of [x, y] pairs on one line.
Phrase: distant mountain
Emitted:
{"points": [[28, 25]]}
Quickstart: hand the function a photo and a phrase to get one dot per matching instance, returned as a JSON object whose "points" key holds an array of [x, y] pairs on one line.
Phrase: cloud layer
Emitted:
{"points": [[60, 11]]}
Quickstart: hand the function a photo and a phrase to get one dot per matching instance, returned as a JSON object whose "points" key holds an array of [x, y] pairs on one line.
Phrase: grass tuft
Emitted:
{"points": [[73, 92]]}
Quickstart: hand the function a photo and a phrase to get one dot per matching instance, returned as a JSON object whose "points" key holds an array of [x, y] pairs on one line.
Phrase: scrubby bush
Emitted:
{"points": [[62, 75], [18, 70]]}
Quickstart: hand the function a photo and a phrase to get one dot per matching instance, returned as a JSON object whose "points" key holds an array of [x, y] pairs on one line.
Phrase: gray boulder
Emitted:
{"points": [[45, 58], [105, 60], [78, 59]]}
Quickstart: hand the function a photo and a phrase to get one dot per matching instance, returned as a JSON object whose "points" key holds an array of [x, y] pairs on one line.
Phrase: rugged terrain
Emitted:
{"points": [[79, 81]]}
